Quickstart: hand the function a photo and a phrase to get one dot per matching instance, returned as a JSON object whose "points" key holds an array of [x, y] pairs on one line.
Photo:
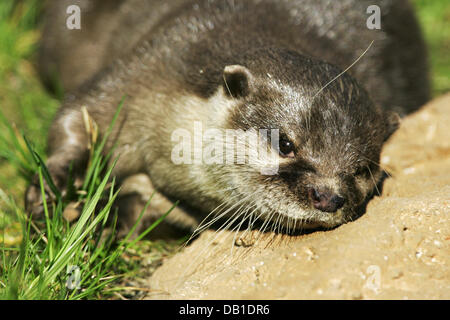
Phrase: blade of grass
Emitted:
{"points": [[99, 149], [41, 164], [75, 237], [47, 217]]}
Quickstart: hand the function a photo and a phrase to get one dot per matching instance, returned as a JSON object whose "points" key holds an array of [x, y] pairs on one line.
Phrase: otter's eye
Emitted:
{"points": [[286, 149]]}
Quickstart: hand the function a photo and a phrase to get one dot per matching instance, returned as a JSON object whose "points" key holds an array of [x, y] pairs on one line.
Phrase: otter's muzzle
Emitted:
{"points": [[325, 200]]}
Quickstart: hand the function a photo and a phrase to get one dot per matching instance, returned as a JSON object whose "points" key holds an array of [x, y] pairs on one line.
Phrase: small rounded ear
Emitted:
{"points": [[392, 123], [237, 81]]}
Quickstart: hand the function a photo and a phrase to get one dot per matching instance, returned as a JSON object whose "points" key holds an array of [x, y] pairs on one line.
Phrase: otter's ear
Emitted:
{"points": [[237, 81], [392, 123]]}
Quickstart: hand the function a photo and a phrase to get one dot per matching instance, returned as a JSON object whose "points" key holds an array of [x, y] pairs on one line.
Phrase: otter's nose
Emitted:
{"points": [[325, 200]]}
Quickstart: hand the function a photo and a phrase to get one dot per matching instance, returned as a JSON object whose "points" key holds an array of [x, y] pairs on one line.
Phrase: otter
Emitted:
{"points": [[234, 65]]}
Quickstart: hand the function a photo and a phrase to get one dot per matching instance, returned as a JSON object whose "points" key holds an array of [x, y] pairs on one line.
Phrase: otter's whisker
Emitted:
{"points": [[266, 223], [348, 68], [374, 182], [372, 161], [218, 232], [202, 226], [252, 222], [238, 228]]}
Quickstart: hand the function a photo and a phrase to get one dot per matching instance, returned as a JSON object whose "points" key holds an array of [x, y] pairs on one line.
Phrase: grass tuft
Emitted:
{"points": [[82, 260]]}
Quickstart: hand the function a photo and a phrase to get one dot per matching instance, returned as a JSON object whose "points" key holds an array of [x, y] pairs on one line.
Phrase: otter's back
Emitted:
{"points": [[394, 71]]}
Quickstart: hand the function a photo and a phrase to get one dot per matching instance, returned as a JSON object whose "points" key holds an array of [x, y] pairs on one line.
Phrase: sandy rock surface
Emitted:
{"points": [[400, 248]]}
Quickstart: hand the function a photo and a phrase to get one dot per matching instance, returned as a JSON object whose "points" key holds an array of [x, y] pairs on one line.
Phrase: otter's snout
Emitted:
{"points": [[325, 200]]}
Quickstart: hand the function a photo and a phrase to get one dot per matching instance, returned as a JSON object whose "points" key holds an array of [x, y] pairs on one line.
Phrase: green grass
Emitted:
{"points": [[23, 101], [434, 17], [61, 260], [69, 261], [35, 260]]}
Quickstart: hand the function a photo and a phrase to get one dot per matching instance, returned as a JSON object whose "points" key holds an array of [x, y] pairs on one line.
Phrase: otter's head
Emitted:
{"points": [[329, 140]]}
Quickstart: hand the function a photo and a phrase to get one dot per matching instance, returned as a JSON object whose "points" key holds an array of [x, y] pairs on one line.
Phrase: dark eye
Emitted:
{"points": [[286, 148]]}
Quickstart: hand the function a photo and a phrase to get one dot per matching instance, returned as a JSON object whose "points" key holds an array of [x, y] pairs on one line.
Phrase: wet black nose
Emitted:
{"points": [[325, 200]]}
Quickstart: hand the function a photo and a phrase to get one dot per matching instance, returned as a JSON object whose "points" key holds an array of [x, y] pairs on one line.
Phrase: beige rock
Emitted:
{"points": [[399, 249]]}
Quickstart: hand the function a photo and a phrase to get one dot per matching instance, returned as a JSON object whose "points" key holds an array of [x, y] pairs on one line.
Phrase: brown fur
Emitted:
{"points": [[243, 65]]}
